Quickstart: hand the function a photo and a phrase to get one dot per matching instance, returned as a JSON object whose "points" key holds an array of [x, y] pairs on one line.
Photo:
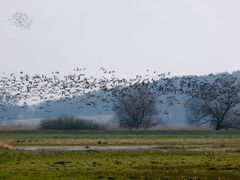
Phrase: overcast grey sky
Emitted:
{"points": [[129, 36]]}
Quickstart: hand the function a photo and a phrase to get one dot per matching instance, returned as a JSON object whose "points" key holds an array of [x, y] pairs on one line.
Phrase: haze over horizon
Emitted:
{"points": [[184, 37]]}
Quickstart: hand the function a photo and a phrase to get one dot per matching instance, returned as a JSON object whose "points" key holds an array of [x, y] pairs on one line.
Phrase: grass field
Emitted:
{"points": [[41, 138], [203, 155]]}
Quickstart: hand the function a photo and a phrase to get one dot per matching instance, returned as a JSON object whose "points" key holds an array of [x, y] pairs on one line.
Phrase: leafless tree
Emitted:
{"points": [[135, 107], [215, 101]]}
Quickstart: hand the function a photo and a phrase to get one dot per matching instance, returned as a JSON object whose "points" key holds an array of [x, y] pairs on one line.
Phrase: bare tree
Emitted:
{"points": [[215, 101], [135, 107]]}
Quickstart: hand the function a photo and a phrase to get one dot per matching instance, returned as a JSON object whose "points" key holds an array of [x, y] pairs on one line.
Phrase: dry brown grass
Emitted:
{"points": [[213, 149], [232, 142], [5, 146], [180, 128], [115, 127], [16, 127]]}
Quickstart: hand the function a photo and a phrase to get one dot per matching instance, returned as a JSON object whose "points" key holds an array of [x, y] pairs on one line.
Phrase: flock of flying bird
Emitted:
{"points": [[76, 88], [17, 88], [21, 20], [79, 89]]}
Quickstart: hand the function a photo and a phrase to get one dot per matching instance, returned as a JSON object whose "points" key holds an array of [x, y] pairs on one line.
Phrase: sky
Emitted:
{"points": [[129, 36]]}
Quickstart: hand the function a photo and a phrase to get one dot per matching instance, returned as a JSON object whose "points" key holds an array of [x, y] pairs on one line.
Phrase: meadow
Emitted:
{"points": [[201, 155]]}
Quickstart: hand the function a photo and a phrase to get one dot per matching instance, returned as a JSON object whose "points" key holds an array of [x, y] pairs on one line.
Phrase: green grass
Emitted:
{"points": [[213, 138], [119, 165], [215, 155]]}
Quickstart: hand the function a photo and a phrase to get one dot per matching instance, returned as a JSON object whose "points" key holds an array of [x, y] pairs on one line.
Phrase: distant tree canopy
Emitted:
{"points": [[135, 107], [214, 101]]}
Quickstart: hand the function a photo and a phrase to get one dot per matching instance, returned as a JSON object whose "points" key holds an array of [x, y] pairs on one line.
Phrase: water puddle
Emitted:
{"points": [[97, 148]]}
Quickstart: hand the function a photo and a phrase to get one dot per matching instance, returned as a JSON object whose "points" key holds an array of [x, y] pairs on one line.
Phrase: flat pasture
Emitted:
{"points": [[200, 155], [102, 138]]}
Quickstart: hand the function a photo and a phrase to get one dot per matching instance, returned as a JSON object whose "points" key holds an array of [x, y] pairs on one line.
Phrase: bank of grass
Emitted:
{"points": [[17, 127], [38, 137], [5, 146], [119, 165]]}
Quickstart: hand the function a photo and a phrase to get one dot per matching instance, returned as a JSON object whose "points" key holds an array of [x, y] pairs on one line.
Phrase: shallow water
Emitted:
{"points": [[98, 148]]}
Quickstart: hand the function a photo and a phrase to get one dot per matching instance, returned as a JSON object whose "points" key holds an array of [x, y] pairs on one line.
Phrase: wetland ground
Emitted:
{"points": [[199, 155]]}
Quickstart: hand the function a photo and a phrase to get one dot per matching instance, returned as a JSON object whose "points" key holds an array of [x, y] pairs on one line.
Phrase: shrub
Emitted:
{"points": [[69, 123]]}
